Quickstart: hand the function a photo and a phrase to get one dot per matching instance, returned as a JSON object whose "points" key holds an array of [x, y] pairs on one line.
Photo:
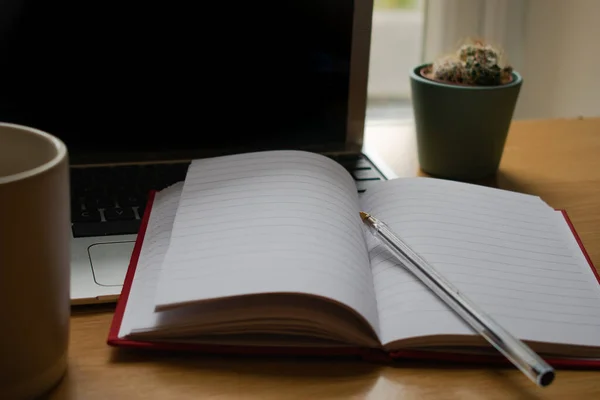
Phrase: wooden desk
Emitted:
{"points": [[558, 160]]}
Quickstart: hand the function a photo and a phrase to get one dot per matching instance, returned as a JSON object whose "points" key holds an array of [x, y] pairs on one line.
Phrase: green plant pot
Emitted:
{"points": [[461, 130]]}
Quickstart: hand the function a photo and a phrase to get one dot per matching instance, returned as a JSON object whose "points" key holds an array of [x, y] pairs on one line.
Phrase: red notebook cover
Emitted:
{"points": [[376, 355]]}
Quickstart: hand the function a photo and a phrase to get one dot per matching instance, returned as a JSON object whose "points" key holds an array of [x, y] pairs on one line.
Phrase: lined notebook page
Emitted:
{"points": [[281, 221], [510, 253], [139, 313]]}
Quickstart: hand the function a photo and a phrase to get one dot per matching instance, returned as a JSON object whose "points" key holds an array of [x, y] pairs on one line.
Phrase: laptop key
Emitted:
{"points": [[346, 158], [106, 228], [362, 186], [131, 200], [356, 165], [365, 174], [119, 214], [105, 202], [87, 215]]}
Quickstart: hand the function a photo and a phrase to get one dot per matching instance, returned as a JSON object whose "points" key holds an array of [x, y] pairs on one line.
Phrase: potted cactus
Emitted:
{"points": [[463, 106]]}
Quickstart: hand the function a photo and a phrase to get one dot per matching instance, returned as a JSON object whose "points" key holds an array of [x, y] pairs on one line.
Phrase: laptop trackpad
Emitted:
{"points": [[110, 262]]}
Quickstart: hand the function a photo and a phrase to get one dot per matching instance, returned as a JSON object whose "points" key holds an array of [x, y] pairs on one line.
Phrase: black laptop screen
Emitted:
{"points": [[132, 75]]}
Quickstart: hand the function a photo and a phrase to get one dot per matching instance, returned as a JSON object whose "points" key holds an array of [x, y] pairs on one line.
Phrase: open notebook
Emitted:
{"points": [[266, 252]]}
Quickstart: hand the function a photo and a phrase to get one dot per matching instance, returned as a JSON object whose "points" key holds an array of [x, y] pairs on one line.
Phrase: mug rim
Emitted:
{"points": [[61, 153]]}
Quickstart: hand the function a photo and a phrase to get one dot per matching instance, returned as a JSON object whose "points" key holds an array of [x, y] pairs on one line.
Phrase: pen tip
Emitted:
{"points": [[364, 215]]}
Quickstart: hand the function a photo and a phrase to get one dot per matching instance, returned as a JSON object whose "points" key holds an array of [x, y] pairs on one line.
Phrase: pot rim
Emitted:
{"points": [[415, 75]]}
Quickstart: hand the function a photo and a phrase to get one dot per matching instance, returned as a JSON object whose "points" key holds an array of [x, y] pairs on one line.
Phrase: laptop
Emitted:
{"points": [[137, 90]]}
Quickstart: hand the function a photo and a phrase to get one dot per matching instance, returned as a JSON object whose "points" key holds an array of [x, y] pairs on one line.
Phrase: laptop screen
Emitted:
{"points": [[153, 76]]}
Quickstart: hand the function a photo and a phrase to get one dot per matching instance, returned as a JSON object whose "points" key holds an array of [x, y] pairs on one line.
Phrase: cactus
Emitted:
{"points": [[473, 64]]}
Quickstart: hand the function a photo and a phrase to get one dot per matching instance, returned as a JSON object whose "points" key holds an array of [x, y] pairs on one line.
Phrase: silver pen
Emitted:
{"points": [[523, 357]]}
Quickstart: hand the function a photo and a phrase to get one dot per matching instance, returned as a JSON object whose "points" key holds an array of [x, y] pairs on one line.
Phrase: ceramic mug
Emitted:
{"points": [[34, 261]]}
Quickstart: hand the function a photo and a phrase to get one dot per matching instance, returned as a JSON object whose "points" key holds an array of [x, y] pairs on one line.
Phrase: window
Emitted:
{"points": [[396, 47], [540, 39], [396, 43]]}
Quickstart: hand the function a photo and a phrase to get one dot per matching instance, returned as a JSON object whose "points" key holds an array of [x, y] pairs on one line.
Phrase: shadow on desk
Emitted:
{"points": [[91, 309], [98, 371]]}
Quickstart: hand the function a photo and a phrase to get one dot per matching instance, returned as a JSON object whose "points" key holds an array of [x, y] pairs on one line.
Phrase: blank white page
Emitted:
{"points": [[139, 313], [277, 221], [510, 253]]}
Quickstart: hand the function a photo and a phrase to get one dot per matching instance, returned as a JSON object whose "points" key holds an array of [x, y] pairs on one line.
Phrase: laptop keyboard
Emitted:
{"points": [[111, 200]]}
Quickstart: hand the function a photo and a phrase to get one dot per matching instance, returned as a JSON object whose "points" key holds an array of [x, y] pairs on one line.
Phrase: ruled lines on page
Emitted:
{"points": [[281, 221], [508, 252], [139, 313]]}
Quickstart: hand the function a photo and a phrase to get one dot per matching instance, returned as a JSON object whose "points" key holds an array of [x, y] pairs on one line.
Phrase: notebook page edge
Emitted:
{"points": [[162, 199]]}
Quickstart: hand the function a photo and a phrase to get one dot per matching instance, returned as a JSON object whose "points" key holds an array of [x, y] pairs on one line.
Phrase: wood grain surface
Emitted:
{"points": [[558, 160]]}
